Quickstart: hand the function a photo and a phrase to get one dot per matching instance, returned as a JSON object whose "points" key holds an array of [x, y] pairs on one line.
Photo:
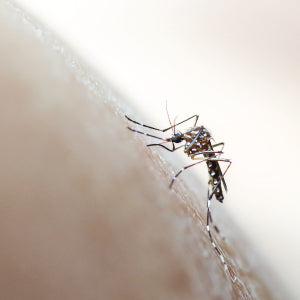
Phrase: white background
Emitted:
{"points": [[236, 64]]}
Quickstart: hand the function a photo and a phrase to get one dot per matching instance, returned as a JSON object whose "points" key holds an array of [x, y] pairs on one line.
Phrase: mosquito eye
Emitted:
{"points": [[177, 139]]}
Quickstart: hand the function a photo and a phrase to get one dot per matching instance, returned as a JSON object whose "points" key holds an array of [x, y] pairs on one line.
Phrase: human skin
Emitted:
{"points": [[86, 212]]}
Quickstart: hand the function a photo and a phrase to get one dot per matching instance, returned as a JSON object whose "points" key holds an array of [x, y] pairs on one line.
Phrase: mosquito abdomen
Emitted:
{"points": [[215, 179]]}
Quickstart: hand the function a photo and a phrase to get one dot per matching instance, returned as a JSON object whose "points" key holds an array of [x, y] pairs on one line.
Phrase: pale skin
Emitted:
{"points": [[86, 212]]}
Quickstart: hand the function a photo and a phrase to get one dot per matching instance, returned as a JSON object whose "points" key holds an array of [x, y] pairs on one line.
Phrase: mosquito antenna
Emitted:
{"points": [[174, 123], [169, 117]]}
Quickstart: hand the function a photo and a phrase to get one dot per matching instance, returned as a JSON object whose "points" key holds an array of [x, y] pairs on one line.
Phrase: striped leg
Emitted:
{"points": [[202, 159], [166, 129], [219, 144], [209, 221], [208, 217], [171, 150]]}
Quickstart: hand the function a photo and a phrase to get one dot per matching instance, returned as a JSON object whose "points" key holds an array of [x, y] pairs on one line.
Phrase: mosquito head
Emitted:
{"points": [[177, 137]]}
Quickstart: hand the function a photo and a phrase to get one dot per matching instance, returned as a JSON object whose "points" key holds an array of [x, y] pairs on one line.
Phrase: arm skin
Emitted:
{"points": [[86, 212]]}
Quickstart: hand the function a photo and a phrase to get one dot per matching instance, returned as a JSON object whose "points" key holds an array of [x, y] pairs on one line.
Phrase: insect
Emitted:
{"points": [[198, 146]]}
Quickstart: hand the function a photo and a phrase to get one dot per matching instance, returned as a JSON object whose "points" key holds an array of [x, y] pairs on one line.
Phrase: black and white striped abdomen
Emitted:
{"points": [[215, 174]]}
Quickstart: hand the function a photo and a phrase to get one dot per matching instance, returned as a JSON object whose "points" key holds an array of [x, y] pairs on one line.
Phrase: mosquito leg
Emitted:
{"points": [[184, 168], [217, 249], [202, 160], [166, 129], [147, 126], [205, 152], [147, 134], [199, 162], [194, 116], [219, 144], [208, 219], [210, 216], [212, 158], [171, 150]]}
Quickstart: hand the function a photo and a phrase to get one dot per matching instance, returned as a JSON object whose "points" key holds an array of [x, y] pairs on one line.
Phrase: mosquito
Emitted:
{"points": [[199, 147]]}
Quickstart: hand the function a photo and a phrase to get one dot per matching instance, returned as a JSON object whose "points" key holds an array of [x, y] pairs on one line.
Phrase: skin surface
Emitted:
{"points": [[86, 212]]}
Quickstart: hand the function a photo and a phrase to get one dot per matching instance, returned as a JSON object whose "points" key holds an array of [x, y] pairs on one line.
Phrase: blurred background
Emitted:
{"points": [[237, 65]]}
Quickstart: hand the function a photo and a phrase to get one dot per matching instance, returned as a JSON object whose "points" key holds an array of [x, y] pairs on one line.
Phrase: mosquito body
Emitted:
{"points": [[198, 146], [197, 143]]}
